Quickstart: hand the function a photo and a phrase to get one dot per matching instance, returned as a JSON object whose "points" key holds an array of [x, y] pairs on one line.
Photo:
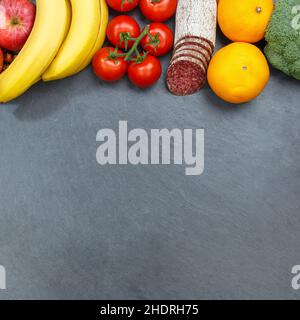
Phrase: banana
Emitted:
{"points": [[46, 37], [68, 19], [79, 42], [101, 35]]}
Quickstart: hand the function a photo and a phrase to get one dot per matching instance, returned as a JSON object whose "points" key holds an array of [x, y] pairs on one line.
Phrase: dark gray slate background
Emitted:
{"points": [[71, 229]]}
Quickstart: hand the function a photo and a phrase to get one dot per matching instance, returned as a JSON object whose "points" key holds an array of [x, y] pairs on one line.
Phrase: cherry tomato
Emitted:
{"points": [[8, 57], [162, 41], [109, 69], [146, 73], [122, 25], [158, 10], [1, 60], [122, 5]]}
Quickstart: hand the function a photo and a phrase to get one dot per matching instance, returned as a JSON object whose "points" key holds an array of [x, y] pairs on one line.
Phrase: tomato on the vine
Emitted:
{"points": [[146, 73], [120, 29], [161, 40], [158, 10], [107, 66], [122, 5]]}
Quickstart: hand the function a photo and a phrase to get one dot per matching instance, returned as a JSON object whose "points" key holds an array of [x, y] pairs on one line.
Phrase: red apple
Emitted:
{"points": [[16, 22]]}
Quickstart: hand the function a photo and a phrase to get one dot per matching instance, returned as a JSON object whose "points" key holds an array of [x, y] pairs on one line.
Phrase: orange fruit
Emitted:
{"points": [[238, 72], [244, 20]]}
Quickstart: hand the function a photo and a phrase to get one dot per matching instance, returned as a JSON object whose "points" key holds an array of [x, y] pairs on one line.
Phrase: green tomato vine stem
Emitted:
{"points": [[138, 40], [128, 56]]}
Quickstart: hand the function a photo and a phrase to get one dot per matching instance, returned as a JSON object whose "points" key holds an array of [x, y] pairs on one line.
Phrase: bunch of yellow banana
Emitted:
{"points": [[65, 36]]}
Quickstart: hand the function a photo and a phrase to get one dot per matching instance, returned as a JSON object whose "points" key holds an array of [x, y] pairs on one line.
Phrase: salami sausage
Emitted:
{"points": [[195, 37]]}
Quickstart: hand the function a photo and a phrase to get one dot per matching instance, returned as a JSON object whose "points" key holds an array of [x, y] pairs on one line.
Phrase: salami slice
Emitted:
{"points": [[185, 77], [189, 58], [194, 48], [191, 53], [201, 42], [195, 37]]}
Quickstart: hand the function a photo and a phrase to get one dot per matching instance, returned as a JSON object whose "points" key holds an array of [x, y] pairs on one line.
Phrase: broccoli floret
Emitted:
{"points": [[283, 37]]}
